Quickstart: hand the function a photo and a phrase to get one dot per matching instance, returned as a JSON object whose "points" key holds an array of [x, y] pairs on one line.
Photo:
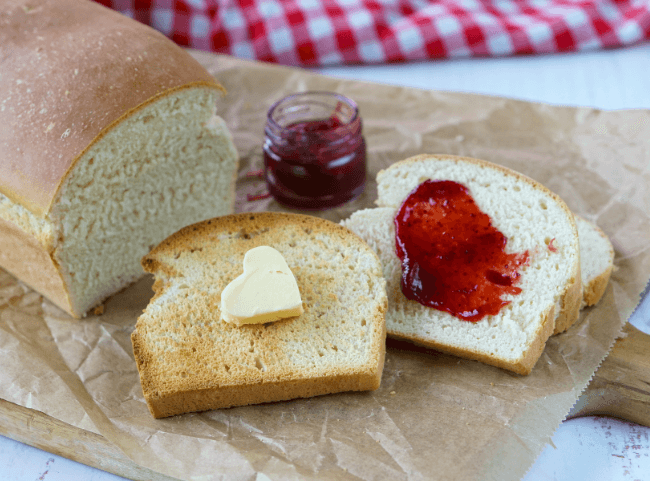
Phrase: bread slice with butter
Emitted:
{"points": [[531, 217], [191, 360]]}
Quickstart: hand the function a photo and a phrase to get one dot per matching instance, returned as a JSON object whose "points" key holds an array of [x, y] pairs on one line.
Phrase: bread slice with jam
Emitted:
{"points": [[534, 221], [191, 360]]}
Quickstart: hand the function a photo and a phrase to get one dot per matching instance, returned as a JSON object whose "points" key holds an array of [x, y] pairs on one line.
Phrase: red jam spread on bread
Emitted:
{"points": [[453, 258]]}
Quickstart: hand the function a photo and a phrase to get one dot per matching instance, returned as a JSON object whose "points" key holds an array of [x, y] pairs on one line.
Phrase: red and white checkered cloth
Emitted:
{"points": [[326, 32]]}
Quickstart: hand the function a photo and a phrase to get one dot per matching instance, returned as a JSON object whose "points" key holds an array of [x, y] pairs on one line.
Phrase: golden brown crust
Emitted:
{"points": [[216, 387], [34, 266], [76, 69], [172, 402], [596, 287]]}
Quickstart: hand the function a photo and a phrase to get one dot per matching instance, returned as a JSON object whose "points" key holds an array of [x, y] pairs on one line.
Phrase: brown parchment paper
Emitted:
{"points": [[435, 416]]}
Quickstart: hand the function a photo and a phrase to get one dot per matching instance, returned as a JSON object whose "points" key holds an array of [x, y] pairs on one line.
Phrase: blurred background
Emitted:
{"points": [[313, 33]]}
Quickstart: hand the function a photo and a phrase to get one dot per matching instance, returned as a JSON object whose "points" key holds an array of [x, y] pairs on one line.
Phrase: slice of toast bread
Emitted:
{"points": [[531, 217], [596, 260], [190, 360], [395, 183]]}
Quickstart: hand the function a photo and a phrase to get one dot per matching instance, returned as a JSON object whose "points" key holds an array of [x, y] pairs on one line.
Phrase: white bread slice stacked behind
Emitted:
{"points": [[530, 216], [109, 143], [191, 360], [596, 260]]}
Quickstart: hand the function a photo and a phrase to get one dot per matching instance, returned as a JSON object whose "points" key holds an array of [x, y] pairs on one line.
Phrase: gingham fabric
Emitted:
{"points": [[326, 32]]}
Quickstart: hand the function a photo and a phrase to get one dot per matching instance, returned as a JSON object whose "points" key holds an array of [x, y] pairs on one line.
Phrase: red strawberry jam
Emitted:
{"points": [[453, 258], [314, 151]]}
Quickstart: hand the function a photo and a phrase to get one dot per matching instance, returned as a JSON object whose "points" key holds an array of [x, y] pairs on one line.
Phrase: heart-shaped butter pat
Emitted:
{"points": [[267, 290]]}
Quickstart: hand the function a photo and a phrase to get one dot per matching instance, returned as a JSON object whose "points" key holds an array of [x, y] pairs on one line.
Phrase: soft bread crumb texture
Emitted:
{"points": [[596, 259], [191, 360], [170, 164], [529, 216]]}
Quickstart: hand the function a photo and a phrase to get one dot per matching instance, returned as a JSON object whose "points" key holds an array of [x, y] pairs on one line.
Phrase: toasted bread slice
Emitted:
{"points": [[191, 360], [596, 260], [531, 217]]}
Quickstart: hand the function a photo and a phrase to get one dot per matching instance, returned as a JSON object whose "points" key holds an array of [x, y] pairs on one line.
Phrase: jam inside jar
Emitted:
{"points": [[314, 152]]}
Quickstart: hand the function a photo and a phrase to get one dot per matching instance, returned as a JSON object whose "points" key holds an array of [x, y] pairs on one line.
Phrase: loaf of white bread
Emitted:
{"points": [[109, 142], [189, 359], [532, 218]]}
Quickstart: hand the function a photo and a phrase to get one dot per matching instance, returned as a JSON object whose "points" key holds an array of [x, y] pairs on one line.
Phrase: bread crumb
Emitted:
{"points": [[392, 392], [99, 310], [491, 384]]}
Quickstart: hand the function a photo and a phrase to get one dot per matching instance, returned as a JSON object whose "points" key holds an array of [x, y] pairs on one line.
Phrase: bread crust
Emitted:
{"points": [[594, 291], [35, 266], [173, 403], [166, 397], [570, 302], [80, 70]]}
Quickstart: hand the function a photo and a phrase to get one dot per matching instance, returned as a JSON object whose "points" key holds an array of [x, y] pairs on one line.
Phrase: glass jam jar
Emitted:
{"points": [[314, 153]]}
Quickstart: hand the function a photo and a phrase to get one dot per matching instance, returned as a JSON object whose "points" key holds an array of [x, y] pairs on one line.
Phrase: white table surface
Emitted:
{"points": [[590, 449]]}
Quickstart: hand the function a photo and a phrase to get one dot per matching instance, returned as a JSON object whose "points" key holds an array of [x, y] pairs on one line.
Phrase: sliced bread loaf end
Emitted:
{"points": [[126, 148], [191, 360]]}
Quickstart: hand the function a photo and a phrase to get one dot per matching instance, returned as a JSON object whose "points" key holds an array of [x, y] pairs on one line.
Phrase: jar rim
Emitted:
{"points": [[342, 98]]}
